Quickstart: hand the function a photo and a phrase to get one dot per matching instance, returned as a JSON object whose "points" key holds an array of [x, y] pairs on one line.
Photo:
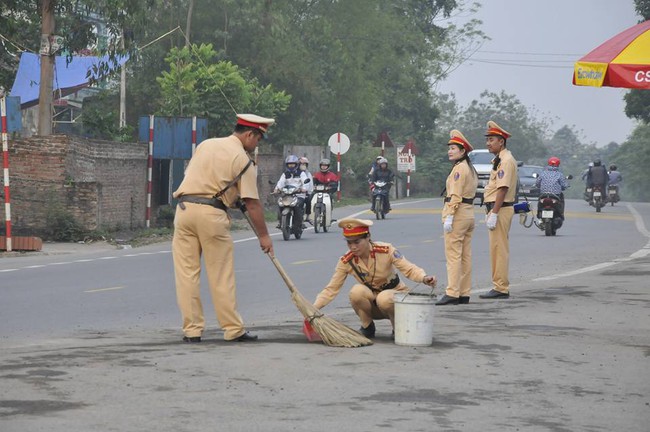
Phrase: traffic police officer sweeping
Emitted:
{"points": [[458, 220], [499, 198], [219, 173], [373, 266]]}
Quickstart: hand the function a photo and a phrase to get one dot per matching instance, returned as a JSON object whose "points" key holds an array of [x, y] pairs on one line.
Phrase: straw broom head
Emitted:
{"points": [[332, 332]]}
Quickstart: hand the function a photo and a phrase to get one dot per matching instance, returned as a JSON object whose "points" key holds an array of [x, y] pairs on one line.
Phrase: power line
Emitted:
{"points": [[530, 53]]}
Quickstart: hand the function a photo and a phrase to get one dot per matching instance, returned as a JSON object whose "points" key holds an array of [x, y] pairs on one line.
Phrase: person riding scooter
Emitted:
{"points": [[383, 173], [293, 176], [597, 177], [552, 180], [325, 176]]}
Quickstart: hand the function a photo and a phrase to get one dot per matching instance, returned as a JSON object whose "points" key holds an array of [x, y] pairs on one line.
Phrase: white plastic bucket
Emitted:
{"points": [[414, 319]]}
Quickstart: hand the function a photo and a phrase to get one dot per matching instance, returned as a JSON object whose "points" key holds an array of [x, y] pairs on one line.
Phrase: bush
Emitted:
{"points": [[61, 225]]}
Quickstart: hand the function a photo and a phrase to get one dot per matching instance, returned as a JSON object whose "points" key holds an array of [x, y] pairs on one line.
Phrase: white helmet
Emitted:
{"points": [[382, 160]]}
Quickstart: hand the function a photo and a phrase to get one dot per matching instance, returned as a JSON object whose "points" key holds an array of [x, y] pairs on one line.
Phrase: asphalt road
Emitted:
{"points": [[90, 338]]}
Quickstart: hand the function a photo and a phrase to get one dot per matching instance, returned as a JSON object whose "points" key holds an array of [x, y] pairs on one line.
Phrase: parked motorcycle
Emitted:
{"points": [[321, 207], [380, 198], [290, 211], [548, 214], [612, 194], [598, 200]]}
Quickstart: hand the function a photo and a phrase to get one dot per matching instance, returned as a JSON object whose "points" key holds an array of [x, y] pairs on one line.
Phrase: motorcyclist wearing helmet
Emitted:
{"points": [[293, 176], [325, 176], [553, 181], [309, 187], [615, 177], [597, 176], [383, 173]]}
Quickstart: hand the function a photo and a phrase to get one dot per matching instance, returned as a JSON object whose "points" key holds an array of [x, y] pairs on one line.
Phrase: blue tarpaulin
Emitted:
{"points": [[172, 136], [68, 77]]}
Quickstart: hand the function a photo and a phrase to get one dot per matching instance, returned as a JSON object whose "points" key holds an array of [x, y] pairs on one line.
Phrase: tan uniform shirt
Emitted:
{"points": [[461, 183], [201, 177], [505, 175], [383, 260]]}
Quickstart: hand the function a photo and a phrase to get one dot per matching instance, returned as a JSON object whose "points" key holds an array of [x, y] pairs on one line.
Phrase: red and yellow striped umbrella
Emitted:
{"points": [[622, 61]]}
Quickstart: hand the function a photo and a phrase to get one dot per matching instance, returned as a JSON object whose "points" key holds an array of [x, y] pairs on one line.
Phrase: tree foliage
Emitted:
{"points": [[197, 85], [633, 160]]}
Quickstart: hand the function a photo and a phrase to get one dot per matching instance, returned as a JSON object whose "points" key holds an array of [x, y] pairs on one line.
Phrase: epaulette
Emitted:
{"points": [[347, 257], [380, 249]]}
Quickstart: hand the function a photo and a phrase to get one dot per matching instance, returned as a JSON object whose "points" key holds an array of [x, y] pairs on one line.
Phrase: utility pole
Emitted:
{"points": [[47, 69]]}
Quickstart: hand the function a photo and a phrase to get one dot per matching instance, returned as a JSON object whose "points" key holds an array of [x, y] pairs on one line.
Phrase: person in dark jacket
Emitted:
{"points": [[383, 173]]}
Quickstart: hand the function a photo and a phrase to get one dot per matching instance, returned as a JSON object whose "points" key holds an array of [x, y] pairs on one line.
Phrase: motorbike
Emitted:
{"points": [[379, 197], [598, 200], [548, 214], [290, 213], [321, 207], [612, 194]]}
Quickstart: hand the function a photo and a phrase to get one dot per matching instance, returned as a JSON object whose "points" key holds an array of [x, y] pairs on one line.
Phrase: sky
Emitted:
{"points": [[548, 36]]}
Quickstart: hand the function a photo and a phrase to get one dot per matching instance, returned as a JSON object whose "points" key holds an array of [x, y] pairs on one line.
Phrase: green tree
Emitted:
{"points": [[632, 159], [197, 85]]}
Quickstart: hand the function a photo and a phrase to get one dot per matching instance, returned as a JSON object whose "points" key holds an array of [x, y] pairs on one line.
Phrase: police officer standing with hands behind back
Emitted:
{"points": [[220, 172], [499, 196]]}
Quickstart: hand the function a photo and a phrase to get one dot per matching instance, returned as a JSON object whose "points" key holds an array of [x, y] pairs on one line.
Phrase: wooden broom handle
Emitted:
{"points": [[274, 260]]}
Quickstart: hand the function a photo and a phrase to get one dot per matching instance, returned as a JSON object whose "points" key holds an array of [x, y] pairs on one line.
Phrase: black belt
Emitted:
{"points": [[464, 200], [214, 202], [390, 284], [489, 205]]}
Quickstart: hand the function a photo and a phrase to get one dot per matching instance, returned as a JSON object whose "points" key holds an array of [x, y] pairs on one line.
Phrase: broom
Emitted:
{"points": [[331, 332]]}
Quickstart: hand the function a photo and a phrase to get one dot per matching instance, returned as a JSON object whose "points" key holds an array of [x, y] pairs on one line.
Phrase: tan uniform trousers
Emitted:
{"points": [[458, 252], [500, 249], [370, 305], [205, 230]]}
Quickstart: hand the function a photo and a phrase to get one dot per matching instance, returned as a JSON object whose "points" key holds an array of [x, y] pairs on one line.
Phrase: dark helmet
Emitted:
{"points": [[324, 162], [612, 167], [597, 162]]}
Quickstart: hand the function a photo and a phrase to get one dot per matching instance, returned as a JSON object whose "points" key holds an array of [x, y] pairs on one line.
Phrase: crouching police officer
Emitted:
{"points": [[373, 266]]}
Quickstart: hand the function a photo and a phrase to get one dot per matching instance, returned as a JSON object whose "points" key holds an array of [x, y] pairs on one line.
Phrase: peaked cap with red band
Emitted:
{"points": [[456, 137], [355, 227], [496, 130], [255, 121]]}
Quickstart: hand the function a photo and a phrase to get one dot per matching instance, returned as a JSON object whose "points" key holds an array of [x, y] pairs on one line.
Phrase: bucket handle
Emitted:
{"points": [[430, 294]]}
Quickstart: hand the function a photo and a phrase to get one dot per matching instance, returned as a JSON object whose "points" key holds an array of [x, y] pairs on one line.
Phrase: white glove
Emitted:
{"points": [[491, 221], [449, 220]]}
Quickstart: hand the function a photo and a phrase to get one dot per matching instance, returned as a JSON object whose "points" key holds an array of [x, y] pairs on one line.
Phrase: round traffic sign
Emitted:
{"points": [[339, 143]]}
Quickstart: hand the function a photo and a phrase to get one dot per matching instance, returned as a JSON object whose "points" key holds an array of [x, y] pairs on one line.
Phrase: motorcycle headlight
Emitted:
{"points": [[286, 201]]}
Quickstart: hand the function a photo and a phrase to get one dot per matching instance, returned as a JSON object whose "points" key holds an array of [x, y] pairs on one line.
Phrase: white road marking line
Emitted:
{"points": [[8, 270], [105, 289]]}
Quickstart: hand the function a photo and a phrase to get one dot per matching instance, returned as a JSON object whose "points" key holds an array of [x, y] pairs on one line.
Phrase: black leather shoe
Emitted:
{"points": [[494, 294], [246, 337], [369, 331], [446, 300], [195, 339], [463, 300]]}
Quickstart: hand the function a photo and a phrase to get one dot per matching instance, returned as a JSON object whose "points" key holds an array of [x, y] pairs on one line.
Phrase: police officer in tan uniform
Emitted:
{"points": [[499, 199], [373, 266], [458, 221], [219, 173]]}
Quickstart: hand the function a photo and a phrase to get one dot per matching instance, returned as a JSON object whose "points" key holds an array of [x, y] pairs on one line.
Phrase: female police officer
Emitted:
{"points": [[458, 220], [373, 265]]}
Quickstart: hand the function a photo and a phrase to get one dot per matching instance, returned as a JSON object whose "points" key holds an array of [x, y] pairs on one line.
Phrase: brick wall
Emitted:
{"points": [[101, 183]]}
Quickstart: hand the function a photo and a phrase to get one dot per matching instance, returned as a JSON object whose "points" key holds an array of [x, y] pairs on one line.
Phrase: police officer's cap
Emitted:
{"points": [[355, 227], [496, 130], [456, 137], [254, 121]]}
